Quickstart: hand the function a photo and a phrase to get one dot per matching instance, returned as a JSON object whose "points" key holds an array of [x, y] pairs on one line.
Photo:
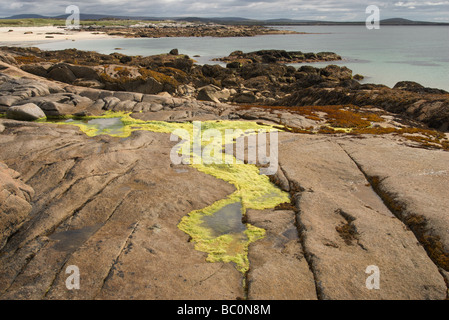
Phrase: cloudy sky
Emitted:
{"points": [[337, 10]]}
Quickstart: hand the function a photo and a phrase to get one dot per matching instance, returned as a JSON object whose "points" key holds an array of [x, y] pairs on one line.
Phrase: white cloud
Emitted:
{"points": [[262, 9], [415, 4]]}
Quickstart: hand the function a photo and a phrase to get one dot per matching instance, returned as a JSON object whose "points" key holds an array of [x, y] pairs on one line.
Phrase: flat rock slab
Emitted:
{"points": [[109, 206], [279, 270], [345, 234], [415, 182], [14, 202]]}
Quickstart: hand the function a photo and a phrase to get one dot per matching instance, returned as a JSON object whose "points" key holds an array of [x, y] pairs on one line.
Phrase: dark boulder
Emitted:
{"points": [[126, 59], [336, 73], [234, 65], [259, 69], [61, 72], [213, 71]]}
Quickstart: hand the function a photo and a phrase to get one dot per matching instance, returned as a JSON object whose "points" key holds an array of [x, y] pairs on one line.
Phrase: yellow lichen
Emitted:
{"points": [[253, 190]]}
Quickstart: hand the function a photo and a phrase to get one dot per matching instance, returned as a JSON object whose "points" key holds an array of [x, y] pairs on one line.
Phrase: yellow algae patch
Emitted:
{"points": [[227, 247], [253, 190]]}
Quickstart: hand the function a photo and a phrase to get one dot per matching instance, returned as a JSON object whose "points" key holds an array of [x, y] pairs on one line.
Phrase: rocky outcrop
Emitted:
{"points": [[193, 30], [171, 73], [238, 58], [254, 83], [248, 79], [18, 95], [416, 87], [429, 108]]}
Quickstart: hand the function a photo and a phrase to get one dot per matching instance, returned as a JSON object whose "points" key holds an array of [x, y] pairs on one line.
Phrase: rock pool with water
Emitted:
{"points": [[217, 230]]}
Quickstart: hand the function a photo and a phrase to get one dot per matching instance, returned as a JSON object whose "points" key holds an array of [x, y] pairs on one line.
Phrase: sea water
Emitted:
{"points": [[385, 56]]}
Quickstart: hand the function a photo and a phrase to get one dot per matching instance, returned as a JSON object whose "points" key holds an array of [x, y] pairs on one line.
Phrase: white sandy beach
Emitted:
{"points": [[32, 35]]}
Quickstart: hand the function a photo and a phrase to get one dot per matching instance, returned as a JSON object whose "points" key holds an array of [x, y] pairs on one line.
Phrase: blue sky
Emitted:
{"points": [[337, 10]]}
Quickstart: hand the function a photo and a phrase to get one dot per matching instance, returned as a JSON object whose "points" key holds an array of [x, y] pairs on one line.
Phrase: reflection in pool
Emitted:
{"points": [[101, 126], [227, 220]]}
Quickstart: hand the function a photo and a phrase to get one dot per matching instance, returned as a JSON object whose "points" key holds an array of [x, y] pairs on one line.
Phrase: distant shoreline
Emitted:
{"points": [[24, 35], [38, 35], [115, 20]]}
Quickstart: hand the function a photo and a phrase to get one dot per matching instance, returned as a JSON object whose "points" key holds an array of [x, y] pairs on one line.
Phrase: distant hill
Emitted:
{"points": [[84, 16], [229, 20], [26, 16], [400, 21]]}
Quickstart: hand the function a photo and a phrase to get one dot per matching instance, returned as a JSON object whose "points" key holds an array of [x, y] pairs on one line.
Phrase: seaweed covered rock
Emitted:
{"points": [[278, 56]]}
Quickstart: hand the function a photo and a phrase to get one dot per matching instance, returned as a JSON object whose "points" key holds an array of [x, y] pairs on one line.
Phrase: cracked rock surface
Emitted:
{"points": [[111, 206], [346, 227]]}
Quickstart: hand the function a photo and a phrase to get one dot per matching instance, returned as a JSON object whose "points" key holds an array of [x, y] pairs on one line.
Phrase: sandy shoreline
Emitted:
{"points": [[36, 35]]}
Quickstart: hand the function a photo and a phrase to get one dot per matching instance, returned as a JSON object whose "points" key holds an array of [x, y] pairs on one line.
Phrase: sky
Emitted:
{"points": [[334, 10]]}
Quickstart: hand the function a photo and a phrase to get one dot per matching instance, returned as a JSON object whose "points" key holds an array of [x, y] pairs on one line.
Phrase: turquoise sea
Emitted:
{"points": [[385, 56]]}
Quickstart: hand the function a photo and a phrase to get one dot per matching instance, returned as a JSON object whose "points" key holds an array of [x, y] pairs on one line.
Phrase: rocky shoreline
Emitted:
{"points": [[238, 58], [247, 79], [191, 30], [365, 166]]}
